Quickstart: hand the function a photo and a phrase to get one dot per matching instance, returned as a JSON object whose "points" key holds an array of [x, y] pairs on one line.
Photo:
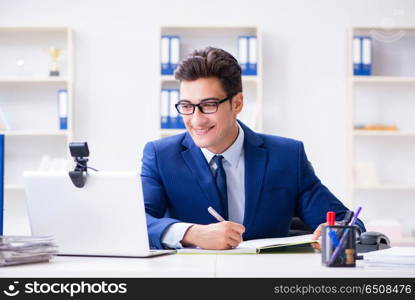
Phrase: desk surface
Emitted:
{"points": [[262, 265]]}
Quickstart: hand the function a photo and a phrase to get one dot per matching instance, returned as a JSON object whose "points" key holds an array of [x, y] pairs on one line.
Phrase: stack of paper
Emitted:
{"points": [[395, 257], [255, 246], [26, 249]]}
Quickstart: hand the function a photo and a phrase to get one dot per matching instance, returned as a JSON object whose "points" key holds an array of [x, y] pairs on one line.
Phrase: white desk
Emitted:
{"points": [[263, 265], [294, 265], [161, 266]]}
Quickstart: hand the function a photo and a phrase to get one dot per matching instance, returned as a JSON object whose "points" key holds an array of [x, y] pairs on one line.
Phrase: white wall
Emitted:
{"points": [[116, 90]]}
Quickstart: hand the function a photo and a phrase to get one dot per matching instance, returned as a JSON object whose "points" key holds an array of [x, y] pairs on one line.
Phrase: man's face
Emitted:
{"points": [[216, 131]]}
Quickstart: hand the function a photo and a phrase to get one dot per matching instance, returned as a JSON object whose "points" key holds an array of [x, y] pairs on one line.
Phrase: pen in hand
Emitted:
{"points": [[215, 214]]}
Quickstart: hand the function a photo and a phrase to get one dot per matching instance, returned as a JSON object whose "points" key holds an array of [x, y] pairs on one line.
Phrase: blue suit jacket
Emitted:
{"points": [[178, 186]]}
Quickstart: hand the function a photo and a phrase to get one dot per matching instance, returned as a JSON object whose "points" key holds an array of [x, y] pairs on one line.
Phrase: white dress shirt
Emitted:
{"points": [[234, 165]]}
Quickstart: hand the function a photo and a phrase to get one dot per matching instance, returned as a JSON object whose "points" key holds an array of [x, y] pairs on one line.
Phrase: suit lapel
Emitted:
{"points": [[200, 169], [255, 165]]}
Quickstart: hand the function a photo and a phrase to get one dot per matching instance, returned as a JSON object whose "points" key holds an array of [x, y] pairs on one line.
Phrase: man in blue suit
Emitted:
{"points": [[257, 182]]}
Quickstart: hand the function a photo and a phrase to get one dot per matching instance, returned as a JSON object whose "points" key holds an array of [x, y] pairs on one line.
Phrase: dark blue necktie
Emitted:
{"points": [[220, 178]]}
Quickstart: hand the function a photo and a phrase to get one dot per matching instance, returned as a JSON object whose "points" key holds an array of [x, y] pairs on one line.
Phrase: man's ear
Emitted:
{"points": [[237, 103]]}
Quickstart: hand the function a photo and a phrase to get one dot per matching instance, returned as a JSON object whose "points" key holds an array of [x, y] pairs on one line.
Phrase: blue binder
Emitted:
{"points": [[176, 120], [174, 52], [164, 108], [165, 54], [1, 182], [63, 109], [243, 53], [357, 56], [172, 112], [366, 66], [252, 56], [169, 53]]}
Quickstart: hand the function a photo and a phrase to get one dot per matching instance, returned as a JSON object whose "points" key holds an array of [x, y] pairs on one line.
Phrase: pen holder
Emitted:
{"points": [[338, 246]]}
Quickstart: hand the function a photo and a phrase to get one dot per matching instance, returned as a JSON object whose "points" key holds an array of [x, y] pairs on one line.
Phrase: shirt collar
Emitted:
{"points": [[233, 153]]}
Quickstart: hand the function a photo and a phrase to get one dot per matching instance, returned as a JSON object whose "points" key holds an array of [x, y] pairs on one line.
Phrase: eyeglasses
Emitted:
{"points": [[206, 106]]}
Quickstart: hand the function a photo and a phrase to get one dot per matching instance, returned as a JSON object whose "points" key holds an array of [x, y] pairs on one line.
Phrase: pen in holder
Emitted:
{"points": [[338, 246]]}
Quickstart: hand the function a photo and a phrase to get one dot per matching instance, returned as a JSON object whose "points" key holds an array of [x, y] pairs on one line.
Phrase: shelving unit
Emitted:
{"points": [[384, 79], [383, 133], [29, 101], [385, 97], [32, 80], [225, 37]]}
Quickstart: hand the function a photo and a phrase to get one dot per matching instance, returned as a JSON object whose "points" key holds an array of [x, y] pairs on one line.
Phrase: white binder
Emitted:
{"points": [[174, 52], [164, 108], [243, 53], [357, 55], [164, 54]]}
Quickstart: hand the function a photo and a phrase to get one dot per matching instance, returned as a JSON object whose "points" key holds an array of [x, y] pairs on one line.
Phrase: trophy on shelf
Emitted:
{"points": [[54, 54]]}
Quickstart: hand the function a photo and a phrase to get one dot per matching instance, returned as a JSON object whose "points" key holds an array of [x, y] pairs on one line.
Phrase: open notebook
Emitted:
{"points": [[254, 246]]}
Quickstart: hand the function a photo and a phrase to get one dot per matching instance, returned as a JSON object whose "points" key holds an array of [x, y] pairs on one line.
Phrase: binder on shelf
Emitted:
{"points": [[357, 55], [174, 52], [170, 118], [362, 55], [169, 53], [243, 53], [164, 111], [175, 117], [366, 66], [1, 182], [173, 114], [4, 123], [165, 53], [247, 54], [63, 108], [252, 55]]}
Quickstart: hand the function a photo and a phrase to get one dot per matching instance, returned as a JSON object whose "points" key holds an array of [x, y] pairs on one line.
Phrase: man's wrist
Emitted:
{"points": [[189, 238], [173, 234]]}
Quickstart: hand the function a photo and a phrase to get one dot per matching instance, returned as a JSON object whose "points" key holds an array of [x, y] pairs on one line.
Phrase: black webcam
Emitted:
{"points": [[79, 149], [80, 152]]}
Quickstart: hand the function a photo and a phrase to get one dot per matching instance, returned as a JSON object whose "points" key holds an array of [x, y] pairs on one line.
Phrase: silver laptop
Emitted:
{"points": [[104, 218]]}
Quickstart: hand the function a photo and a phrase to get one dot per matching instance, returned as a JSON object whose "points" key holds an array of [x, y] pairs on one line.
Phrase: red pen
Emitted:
{"points": [[331, 218]]}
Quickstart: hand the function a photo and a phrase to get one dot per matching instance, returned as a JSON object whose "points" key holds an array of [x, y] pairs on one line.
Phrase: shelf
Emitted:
{"points": [[33, 80], [170, 78], [385, 28], [382, 98], [35, 133], [34, 29], [14, 187], [385, 133], [166, 78], [383, 79], [386, 187]]}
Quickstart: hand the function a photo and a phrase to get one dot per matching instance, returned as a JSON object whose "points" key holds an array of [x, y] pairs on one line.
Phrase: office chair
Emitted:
{"points": [[298, 227]]}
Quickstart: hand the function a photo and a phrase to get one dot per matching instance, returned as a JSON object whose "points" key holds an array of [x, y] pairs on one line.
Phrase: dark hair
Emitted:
{"points": [[212, 62]]}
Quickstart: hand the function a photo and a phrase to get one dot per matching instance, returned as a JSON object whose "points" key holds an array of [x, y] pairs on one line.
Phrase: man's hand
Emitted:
{"points": [[317, 233], [215, 236], [316, 236]]}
